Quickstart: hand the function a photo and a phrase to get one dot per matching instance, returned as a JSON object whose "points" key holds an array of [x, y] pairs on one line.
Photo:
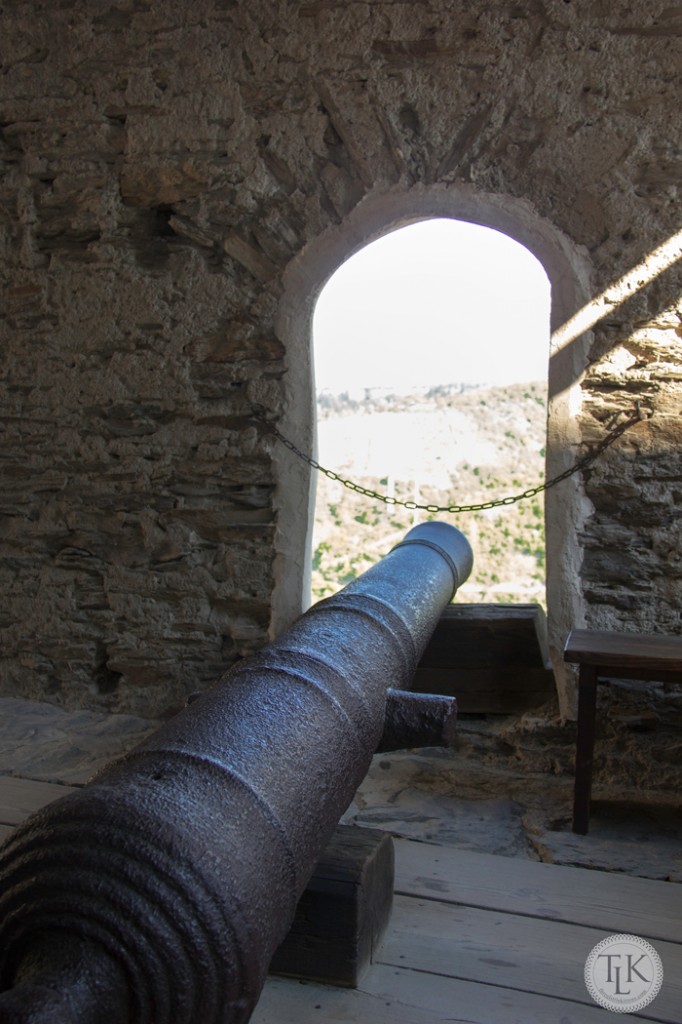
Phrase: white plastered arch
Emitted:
{"points": [[566, 506]]}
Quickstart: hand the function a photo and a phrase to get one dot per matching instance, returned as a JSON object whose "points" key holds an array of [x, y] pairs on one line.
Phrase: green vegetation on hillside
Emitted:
{"points": [[505, 430]]}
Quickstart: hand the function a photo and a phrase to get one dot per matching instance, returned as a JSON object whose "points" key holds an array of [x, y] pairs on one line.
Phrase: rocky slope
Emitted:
{"points": [[443, 446]]}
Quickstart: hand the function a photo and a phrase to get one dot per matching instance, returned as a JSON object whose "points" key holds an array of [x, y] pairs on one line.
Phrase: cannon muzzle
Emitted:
{"points": [[159, 892]]}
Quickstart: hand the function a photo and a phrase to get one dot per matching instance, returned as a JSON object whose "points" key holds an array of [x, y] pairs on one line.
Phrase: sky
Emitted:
{"points": [[437, 302]]}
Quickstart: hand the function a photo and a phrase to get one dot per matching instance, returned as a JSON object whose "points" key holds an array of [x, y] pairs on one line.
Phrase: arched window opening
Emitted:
{"points": [[431, 350]]}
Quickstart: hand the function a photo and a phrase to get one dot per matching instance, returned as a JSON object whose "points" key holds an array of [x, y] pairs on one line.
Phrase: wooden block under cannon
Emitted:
{"points": [[492, 657], [343, 912]]}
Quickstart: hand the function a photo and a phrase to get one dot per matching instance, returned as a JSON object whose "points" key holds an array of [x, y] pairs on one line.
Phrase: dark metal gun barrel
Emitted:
{"points": [[159, 892]]}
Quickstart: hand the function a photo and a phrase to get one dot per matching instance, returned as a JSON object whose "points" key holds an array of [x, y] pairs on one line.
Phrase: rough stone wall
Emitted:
{"points": [[163, 163]]}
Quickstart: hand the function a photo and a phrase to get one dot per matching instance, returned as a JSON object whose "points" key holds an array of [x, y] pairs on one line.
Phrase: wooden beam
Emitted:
{"points": [[343, 912]]}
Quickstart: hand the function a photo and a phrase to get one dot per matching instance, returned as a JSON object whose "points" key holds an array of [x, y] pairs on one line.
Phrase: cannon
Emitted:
{"points": [[159, 892]]}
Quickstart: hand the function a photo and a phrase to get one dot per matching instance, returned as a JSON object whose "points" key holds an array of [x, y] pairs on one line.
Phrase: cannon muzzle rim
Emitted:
{"points": [[449, 542]]}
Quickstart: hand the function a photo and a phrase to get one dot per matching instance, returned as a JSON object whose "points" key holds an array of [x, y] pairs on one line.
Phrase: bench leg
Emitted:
{"points": [[584, 757]]}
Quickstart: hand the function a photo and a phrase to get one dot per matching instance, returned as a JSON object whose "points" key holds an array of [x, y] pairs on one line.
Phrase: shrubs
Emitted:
{"points": [[352, 531]]}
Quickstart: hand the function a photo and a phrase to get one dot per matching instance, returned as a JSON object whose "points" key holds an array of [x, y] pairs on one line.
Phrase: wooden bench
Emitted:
{"points": [[606, 655]]}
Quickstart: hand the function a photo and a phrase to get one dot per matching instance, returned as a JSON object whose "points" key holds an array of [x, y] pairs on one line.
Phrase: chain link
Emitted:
{"points": [[578, 465]]}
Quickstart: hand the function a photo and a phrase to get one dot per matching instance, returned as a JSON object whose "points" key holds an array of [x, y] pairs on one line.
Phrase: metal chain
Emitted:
{"points": [[578, 465]]}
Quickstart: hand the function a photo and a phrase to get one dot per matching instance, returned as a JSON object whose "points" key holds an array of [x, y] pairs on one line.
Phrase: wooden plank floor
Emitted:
{"points": [[473, 938], [490, 940], [21, 797]]}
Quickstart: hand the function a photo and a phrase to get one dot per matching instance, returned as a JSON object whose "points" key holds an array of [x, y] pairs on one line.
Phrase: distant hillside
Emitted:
{"points": [[444, 446]]}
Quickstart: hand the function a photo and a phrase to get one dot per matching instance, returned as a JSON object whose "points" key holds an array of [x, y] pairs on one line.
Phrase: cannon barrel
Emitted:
{"points": [[159, 892]]}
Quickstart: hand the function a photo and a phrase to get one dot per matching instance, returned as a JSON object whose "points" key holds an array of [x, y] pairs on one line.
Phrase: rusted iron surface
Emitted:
{"points": [[418, 720], [160, 891]]}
